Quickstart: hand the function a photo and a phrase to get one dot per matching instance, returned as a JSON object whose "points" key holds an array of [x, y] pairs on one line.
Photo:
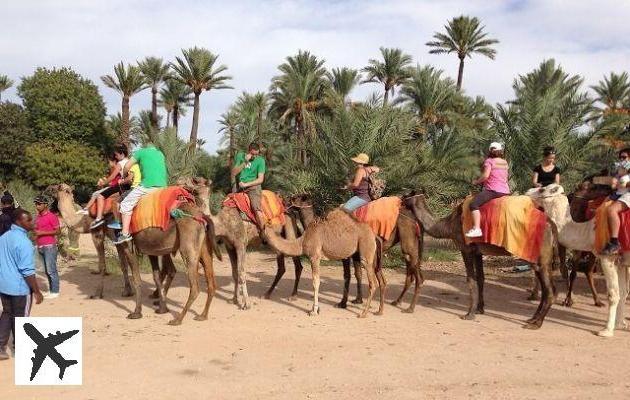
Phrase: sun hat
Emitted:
{"points": [[361, 158], [496, 146], [41, 199]]}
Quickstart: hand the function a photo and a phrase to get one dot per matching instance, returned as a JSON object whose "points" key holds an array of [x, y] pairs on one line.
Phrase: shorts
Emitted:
{"points": [[625, 199], [112, 190], [132, 199], [354, 203], [483, 197], [255, 197]]}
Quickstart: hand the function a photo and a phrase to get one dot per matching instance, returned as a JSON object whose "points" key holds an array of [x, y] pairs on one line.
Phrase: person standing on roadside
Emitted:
{"points": [[47, 228]]}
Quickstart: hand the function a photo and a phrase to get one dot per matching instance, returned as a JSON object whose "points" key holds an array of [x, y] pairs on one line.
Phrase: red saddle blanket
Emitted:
{"points": [[272, 206], [154, 209], [109, 202], [602, 231], [381, 215], [511, 222]]}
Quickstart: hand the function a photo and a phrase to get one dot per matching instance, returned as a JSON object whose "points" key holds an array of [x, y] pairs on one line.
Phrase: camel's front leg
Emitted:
{"points": [[136, 281], [369, 267], [612, 285], [315, 270], [624, 288], [241, 254], [99, 243], [124, 267], [469, 262], [234, 265]]}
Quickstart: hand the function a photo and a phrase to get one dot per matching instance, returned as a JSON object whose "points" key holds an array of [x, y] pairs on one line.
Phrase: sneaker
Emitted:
{"points": [[51, 295], [97, 223], [3, 354], [611, 249], [474, 233], [122, 238], [83, 211], [114, 225]]}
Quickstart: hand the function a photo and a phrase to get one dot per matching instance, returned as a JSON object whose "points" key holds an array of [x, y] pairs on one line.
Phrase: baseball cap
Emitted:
{"points": [[496, 146]]}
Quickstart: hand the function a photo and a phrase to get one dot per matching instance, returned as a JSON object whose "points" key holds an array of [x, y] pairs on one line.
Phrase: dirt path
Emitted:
{"points": [[275, 351]]}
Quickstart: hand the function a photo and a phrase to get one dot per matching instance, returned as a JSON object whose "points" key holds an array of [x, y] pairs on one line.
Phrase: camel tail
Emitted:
{"points": [[288, 247], [212, 237]]}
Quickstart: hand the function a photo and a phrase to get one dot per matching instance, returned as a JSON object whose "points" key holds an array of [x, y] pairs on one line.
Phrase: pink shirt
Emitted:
{"points": [[498, 179], [46, 222]]}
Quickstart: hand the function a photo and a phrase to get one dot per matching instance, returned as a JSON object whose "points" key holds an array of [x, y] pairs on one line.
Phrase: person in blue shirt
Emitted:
{"points": [[18, 284]]}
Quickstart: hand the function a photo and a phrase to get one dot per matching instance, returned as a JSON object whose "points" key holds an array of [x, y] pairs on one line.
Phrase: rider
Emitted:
{"points": [[250, 169], [495, 184], [116, 185], [622, 201], [547, 172], [360, 184]]}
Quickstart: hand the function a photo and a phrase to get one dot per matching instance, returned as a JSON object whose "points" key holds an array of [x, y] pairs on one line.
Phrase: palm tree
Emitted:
{"points": [[613, 92], [343, 80], [126, 81], [5, 83], [464, 36], [175, 97], [390, 72], [297, 94], [252, 110], [229, 122], [155, 71], [197, 69]]}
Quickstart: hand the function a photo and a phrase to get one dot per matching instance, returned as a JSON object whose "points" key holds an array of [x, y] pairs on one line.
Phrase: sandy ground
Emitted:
{"points": [[275, 351]]}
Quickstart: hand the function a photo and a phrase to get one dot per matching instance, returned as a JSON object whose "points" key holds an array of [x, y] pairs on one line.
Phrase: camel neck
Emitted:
{"points": [[68, 213], [437, 228]]}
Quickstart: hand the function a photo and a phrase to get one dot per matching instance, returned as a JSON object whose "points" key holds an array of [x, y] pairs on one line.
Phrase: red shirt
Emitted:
{"points": [[46, 222]]}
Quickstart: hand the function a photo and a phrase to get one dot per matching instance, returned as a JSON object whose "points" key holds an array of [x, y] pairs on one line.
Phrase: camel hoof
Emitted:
{"points": [[408, 310], [174, 322], [314, 312], [357, 301], [468, 317], [267, 296], [232, 301], [600, 304], [293, 297], [395, 303], [341, 305], [379, 312], [569, 303], [605, 333], [134, 315], [533, 297], [362, 315], [532, 325], [245, 306], [156, 302], [201, 318], [154, 295], [480, 310], [161, 310]]}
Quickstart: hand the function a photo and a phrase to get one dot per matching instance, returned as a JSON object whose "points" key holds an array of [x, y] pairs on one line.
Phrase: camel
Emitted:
{"points": [[450, 227], [581, 236], [336, 237], [411, 244]]}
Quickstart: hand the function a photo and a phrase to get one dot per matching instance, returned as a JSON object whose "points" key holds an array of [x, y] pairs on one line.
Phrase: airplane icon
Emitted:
{"points": [[46, 348]]}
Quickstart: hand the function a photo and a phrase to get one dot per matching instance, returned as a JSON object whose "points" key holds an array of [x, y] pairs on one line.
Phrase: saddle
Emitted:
{"points": [[381, 215], [272, 207]]}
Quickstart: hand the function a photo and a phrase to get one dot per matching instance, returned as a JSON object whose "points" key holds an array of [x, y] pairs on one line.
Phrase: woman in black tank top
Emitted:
{"points": [[547, 172]]}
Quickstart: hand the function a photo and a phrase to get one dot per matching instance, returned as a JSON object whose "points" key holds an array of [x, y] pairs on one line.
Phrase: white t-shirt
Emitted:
{"points": [[122, 164]]}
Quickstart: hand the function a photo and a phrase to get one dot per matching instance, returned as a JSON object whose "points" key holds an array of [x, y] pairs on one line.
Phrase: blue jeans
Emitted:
{"points": [[48, 255], [354, 203]]}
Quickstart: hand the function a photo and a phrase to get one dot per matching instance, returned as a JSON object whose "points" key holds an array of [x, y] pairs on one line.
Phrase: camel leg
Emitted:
{"points": [[368, 263], [414, 261], [568, 301], [315, 271], [590, 278], [191, 261], [382, 285], [208, 268], [562, 256], [358, 274], [469, 262], [155, 268], [481, 278], [534, 290], [136, 281], [409, 277], [241, 254], [297, 266], [419, 280], [234, 264], [346, 283], [279, 273], [124, 267], [623, 295], [99, 243], [612, 285], [169, 270], [541, 301], [547, 287]]}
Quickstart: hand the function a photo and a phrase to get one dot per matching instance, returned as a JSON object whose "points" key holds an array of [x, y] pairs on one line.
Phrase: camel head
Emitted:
{"points": [[303, 200], [551, 198], [200, 188], [59, 190], [416, 199]]}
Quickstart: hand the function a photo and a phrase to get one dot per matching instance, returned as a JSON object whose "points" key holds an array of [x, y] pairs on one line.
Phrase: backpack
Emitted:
{"points": [[376, 186]]}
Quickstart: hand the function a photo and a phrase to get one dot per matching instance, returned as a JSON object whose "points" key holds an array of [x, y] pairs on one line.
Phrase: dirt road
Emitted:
{"points": [[275, 351]]}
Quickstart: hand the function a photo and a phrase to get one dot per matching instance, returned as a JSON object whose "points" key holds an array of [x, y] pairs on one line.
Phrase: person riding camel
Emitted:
{"points": [[103, 184], [154, 176], [494, 178], [621, 196], [131, 180], [250, 169], [547, 172], [360, 185], [116, 185]]}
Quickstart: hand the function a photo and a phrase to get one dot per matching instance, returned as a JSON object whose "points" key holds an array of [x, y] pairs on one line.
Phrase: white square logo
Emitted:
{"points": [[48, 351]]}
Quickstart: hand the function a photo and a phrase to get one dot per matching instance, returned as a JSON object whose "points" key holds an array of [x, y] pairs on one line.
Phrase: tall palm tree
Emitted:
{"points": [[613, 92], [390, 72], [343, 80], [126, 81], [297, 94], [252, 109], [229, 122], [464, 36], [175, 97], [5, 83], [155, 71], [197, 69]]}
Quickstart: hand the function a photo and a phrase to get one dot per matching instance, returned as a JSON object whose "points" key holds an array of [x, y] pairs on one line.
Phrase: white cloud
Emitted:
{"points": [[253, 37]]}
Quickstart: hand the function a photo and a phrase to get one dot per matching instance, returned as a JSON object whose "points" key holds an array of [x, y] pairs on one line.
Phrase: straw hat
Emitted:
{"points": [[361, 158]]}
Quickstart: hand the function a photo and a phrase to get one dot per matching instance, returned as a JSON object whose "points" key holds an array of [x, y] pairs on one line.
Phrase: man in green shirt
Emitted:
{"points": [[250, 169], [154, 176]]}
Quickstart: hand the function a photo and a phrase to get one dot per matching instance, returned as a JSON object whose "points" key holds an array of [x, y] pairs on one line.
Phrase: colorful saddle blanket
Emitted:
{"points": [[154, 209], [511, 222], [109, 202], [272, 206], [381, 215], [602, 232]]}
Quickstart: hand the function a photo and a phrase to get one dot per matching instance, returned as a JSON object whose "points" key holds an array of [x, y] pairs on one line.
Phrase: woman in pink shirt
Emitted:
{"points": [[46, 231], [495, 184]]}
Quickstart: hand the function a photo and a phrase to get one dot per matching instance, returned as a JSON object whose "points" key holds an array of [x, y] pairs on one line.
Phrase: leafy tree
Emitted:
{"points": [[175, 97], [614, 93], [5, 83], [48, 163], [343, 80], [229, 123], [15, 135], [197, 69], [155, 71], [391, 72], [464, 36], [63, 106], [127, 82]]}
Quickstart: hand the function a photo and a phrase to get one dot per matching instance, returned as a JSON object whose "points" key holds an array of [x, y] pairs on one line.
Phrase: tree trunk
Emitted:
{"points": [[460, 74], [258, 137], [176, 118], [192, 144], [154, 114], [168, 118], [231, 149], [386, 96], [125, 121]]}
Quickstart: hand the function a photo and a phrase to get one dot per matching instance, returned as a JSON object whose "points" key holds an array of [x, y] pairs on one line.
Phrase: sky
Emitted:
{"points": [[252, 38]]}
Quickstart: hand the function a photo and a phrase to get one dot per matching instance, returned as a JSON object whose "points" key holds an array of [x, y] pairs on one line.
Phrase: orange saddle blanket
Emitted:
{"points": [[272, 206], [602, 232], [381, 215], [154, 209], [511, 222], [109, 202]]}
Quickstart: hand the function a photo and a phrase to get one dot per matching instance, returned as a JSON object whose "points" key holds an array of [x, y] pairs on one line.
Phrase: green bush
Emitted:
{"points": [[15, 135]]}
